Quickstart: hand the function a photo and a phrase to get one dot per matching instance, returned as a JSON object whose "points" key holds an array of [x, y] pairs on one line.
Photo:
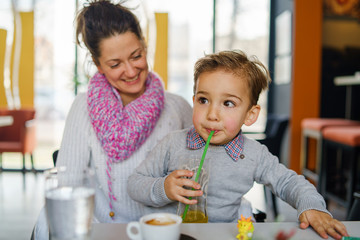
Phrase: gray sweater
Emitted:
{"points": [[229, 180]]}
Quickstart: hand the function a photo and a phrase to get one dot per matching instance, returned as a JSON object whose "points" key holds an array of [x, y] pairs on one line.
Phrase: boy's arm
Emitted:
{"points": [[301, 194], [288, 185], [146, 184]]}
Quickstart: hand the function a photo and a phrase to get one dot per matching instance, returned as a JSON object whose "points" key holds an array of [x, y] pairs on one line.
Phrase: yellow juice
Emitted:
{"points": [[195, 217]]}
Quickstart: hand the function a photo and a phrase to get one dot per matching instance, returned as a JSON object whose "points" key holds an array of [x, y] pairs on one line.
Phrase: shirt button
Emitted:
{"points": [[242, 156]]}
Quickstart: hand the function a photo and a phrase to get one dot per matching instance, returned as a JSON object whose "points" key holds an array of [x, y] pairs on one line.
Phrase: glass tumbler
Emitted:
{"points": [[69, 203], [196, 213]]}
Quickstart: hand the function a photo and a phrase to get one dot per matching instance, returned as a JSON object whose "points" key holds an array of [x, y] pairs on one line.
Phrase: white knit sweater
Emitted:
{"points": [[79, 139]]}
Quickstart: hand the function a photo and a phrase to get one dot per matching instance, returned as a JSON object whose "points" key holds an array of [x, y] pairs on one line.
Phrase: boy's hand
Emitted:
{"points": [[323, 224], [174, 187]]}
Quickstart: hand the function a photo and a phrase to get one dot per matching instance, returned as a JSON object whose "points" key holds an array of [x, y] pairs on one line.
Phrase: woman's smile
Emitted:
{"points": [[132, 79]]}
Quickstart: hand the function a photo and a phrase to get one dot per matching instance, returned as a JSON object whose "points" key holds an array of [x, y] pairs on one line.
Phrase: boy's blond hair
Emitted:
{"points": [[236, 62]]}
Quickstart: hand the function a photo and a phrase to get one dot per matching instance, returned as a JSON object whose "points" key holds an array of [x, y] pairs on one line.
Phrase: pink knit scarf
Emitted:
{"points": [[122, 130]]}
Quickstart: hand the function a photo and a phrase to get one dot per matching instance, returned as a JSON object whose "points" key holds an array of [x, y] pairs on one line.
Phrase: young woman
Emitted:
{"points": [[124, 113]]}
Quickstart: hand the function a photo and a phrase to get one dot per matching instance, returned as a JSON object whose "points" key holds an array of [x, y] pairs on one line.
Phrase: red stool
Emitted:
{"points": [[312, 129], [341, 152]]}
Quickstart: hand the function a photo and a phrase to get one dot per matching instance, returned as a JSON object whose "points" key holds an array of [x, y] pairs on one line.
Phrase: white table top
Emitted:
{"points": [[223, 231], [6, 121], [347, 80]]}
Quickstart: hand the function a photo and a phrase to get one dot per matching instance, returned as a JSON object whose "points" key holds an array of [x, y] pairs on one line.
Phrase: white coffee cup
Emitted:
{"points": [[155, 226]]}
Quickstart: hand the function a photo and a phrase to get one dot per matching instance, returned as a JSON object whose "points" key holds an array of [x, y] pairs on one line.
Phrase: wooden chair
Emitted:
{"points": [[20, 136]]}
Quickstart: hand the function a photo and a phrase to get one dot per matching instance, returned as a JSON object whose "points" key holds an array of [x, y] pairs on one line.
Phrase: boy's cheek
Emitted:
{"points": [[196, 119], [233, 126]]}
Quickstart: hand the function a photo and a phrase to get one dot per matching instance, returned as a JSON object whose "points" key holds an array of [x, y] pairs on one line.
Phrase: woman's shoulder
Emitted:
{"points": [[178, 109], [80, 99], [175, 100], [79, 105], [176, 136]]}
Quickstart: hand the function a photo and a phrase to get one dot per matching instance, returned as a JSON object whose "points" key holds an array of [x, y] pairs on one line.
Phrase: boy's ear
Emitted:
{"points": [[252, 115], [193, 99]]}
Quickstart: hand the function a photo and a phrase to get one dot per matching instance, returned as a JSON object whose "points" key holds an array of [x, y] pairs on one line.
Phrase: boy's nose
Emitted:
{"points": [[213, 113]]}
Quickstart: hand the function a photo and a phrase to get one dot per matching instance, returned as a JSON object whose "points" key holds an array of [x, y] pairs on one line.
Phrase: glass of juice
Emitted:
{"points": [[196, 213]]}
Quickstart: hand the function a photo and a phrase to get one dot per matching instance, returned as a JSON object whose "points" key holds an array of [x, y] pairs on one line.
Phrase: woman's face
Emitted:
{"points": [[123, 62]]}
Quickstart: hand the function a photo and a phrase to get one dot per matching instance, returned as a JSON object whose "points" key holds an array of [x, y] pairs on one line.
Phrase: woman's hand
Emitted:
{"points": [[323, 224], [174, 187]]}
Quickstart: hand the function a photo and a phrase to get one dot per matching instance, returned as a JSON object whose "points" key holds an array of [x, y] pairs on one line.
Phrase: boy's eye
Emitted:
{"points": [[202, 100], [229, 104]]}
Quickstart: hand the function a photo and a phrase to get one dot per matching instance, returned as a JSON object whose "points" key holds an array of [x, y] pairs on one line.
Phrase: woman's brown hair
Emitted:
{"points": [[101, 19]]}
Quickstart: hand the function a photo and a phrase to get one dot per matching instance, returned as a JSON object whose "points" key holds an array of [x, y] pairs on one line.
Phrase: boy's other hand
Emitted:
{"points": [[323, 224], [174, 187]]}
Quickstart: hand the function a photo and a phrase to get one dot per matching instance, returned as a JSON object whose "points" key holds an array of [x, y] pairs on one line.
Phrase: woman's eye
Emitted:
{"points": [[137, 55], [229, 104], [114, 66], [202, 100]]}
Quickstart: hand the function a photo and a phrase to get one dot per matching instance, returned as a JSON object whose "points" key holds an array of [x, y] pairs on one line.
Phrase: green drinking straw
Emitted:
{"points": [[199, 170]]}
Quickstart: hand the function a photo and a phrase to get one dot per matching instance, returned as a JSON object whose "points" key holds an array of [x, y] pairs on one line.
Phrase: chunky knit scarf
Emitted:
{"points": [[122, 130]]}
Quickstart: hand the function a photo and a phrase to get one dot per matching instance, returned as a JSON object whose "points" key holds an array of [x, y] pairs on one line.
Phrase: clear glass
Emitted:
{"points": [[196, 213], [69, 203]]}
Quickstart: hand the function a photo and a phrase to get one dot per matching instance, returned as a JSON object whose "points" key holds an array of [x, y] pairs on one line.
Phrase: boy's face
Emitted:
{"points": [[222, 104]]}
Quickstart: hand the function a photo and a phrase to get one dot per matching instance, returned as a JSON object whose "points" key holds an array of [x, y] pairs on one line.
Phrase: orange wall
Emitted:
{"points": [[3, 33], [306, 71], [161, 49], [27, 56], [27, 64]]}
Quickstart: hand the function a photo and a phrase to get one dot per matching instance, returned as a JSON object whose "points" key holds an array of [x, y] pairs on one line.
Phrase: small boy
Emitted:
{"points": [[226, 90]]}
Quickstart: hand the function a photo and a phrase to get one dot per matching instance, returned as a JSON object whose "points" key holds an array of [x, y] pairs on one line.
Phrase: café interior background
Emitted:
{"points": [[59, 69], [242, 24]]}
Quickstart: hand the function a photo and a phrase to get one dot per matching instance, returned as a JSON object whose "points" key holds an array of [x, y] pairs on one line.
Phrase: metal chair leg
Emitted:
{"points": [[275, 208], [32, 162], [273, 201], [24, 168]]}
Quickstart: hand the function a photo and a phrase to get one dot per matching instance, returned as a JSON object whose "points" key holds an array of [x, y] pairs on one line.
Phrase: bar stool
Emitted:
{"points": [[341, 152], [312, 129]]}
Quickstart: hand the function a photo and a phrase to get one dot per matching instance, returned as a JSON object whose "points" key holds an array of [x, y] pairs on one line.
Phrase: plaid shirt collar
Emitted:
{"points": [[234, 148]]}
